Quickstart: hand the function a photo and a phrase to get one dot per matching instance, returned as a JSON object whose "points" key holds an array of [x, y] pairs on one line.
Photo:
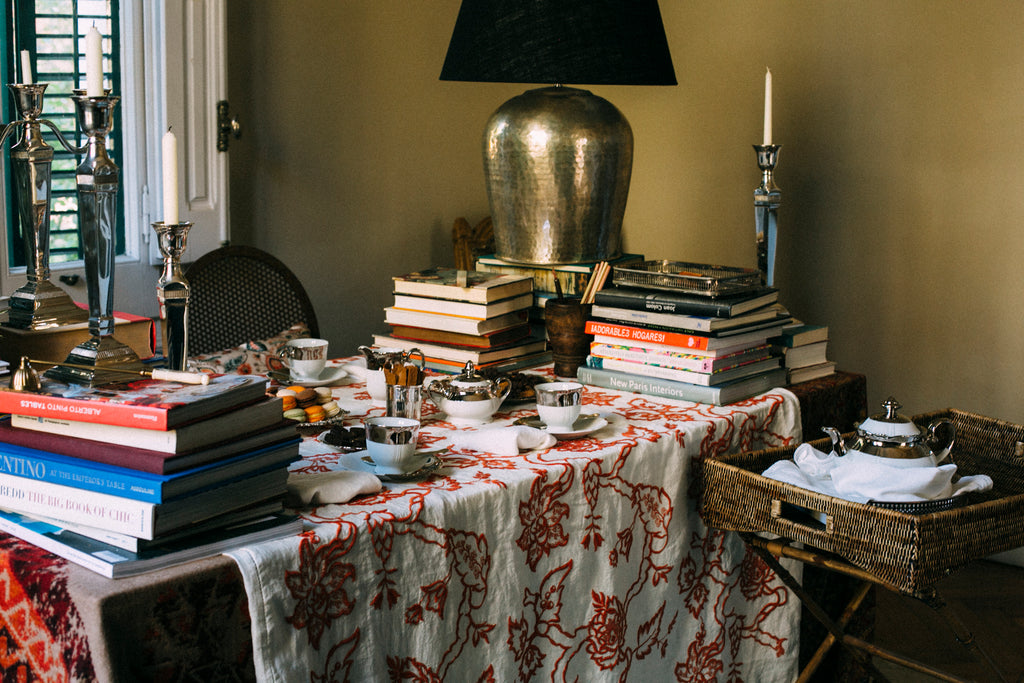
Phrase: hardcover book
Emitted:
{"points": [[463, 309], [809, 372], [151, 450], [145, 403], [462, 354], [38, 465], [679, 359], [134, 517], [723, 394], [684, 340], [55, 343], [462, 285], [702, 378], [114, 562], [483, 341], [696, 323], [800, 334], [452, 323], [572, 277], [686, 304], [654, 346]]}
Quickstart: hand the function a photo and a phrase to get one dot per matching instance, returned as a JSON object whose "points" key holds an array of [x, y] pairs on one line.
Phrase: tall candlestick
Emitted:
{"points": [[767, 107], [93, 63], [170, 166], [26, 68]]}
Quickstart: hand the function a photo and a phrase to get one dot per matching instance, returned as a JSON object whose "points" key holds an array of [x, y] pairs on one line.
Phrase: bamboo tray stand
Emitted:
{"points": [[899, 551]]}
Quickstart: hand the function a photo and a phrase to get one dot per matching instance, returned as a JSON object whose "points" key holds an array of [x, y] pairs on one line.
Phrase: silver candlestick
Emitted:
{"points": [[97, 179], [172, 291], [767, 199], [38, 304]]}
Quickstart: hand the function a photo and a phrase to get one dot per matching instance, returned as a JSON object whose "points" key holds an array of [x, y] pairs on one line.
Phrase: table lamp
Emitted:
{"points": [[557, 159]]}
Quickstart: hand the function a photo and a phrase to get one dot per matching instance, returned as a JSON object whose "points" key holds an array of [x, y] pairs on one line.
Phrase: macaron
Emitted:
{"points": [[323, 395], [288, 402], [331, 408], [297, 414], [315, 413], [306, 398]]}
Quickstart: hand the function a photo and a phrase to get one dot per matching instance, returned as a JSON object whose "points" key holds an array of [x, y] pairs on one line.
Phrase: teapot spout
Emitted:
{"points": [[837, 441]]}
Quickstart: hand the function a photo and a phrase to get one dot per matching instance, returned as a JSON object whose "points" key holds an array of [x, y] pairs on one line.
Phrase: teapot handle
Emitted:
{"points": [[941, 446], [504, 386]]}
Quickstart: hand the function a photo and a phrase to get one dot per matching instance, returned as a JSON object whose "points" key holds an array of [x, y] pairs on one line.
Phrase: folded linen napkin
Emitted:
{"points": [[323, 488], [861, 477], [503, 440]]}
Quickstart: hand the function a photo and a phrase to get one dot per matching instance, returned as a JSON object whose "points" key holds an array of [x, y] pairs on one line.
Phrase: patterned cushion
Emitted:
{"points": [[255, 357]]}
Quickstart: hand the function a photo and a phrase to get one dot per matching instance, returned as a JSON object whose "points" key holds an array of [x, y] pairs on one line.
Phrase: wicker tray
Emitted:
{"points": [[690, 278], [910, 552]]}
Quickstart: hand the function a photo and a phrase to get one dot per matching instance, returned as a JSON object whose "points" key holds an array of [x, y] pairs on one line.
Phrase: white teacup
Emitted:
{"points": [[391, 443], [305, 358], [559, 403]]}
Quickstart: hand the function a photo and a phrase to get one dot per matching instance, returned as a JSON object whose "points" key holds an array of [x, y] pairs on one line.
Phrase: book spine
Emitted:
{"points": [[98, 412], [149, 439], [641, 317], [667, 359], [651, 386], [113, 513], [640, 300], [640, 334], [34, 465], [648, 370]]}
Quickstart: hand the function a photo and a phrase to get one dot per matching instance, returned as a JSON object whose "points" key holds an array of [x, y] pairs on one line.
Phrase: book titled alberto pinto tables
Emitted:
{"points": [[145, 403]]}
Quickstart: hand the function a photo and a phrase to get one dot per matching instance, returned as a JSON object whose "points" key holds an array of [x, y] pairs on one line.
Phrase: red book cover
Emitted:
{"points": [[644, 334], [144, 403]]}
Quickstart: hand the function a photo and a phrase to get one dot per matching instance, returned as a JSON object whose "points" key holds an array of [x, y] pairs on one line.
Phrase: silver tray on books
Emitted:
{"points": [[691, 278]]}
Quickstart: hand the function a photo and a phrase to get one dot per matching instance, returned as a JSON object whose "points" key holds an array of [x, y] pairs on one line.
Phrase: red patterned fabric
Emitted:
{"points": [[586, 561], [41, 632]]}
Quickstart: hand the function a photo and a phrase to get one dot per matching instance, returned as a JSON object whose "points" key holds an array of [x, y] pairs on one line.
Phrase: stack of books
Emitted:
{"points": [[685, 346], [455, 316], [804, 352], [131, 477], [55, 343], [572, 278]]}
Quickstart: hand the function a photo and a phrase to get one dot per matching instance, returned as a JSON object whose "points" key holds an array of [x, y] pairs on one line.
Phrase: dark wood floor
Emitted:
{"points": [[988, 597]]}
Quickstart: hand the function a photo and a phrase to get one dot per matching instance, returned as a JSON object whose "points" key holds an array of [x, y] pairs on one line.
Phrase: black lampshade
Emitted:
{"points": [[579, 42]]}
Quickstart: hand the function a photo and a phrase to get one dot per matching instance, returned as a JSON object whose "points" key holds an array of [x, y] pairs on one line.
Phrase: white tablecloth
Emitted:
{"points": [[584, 562]]}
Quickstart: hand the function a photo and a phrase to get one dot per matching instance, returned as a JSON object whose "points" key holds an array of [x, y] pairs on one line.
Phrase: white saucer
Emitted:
{"points": [[328, 376], [584, 425], [359, 460]]}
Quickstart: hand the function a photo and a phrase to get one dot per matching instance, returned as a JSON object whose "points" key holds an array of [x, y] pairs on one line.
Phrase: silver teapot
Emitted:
{"points": [[890, 435], [469, 397]]}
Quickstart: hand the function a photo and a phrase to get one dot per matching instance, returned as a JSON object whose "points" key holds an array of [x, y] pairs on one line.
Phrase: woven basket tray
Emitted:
{"points": [[911, 552]]}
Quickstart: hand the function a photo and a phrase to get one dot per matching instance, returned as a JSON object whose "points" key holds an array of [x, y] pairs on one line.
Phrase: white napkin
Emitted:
{"points": [[503, 440], [323, 488], [861, 477]]}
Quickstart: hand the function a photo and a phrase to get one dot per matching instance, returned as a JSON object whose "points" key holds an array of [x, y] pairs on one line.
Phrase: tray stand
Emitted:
{"points": [[770, 550]]}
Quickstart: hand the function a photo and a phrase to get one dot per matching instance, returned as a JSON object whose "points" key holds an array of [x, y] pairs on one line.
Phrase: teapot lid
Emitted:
{"points": [[469, 375], [889, 424]]}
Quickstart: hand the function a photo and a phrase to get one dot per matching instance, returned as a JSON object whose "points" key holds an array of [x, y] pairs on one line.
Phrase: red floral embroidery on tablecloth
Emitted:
{"points": [[319, 587]]}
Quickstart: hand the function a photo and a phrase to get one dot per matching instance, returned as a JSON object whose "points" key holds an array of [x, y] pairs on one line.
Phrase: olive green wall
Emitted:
{"points": [[902, 125]]}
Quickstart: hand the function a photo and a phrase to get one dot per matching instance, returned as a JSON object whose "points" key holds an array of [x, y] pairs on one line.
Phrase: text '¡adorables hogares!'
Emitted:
{"points": [[35, 404]]}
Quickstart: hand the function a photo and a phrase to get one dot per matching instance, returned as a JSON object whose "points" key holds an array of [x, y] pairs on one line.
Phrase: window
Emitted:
{"points": [[53, 34], [166, 61]]}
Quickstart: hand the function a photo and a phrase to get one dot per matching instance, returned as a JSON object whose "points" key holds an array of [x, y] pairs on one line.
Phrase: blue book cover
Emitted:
{"points": [[30, 463]]}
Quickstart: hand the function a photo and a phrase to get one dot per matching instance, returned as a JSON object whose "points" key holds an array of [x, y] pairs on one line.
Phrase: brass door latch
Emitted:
{"points": [[227, 127]]}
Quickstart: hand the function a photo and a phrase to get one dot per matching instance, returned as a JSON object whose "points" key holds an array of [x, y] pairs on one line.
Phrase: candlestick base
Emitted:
{"points": [[41, 305], [97, 356], [767, 199]]}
